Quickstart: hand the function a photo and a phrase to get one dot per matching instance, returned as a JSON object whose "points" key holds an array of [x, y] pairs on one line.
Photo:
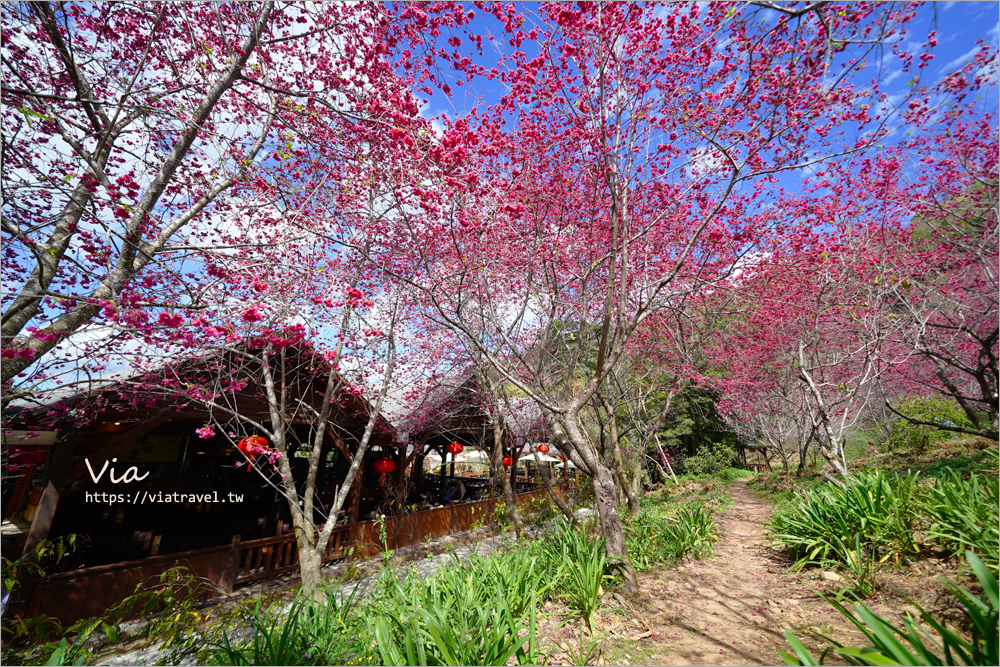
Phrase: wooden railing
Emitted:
{"points": [[271, 556], [85, 593]]}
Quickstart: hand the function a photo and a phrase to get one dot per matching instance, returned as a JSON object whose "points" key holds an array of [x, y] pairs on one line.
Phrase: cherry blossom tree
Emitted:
{"points": [[943, 270], [292, 350], [135, 133], [633, 159]]}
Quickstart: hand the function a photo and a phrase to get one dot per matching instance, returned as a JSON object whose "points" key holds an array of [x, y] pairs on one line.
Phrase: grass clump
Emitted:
{"points": [[313, 630], [582, 568], [875, 507], [877, 516], [963, 514], [482, 611], [675, 525]]}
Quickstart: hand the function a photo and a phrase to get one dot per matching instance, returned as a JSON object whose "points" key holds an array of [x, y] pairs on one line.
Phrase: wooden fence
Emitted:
{"points": [[71, 596]]}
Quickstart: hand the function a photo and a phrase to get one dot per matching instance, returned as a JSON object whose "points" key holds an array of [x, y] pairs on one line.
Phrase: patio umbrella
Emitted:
{"points": [[542, 458], [568, 463]]}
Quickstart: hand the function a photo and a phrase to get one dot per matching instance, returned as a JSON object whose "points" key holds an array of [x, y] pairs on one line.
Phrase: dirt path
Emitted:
{"points": [[731, 609]]}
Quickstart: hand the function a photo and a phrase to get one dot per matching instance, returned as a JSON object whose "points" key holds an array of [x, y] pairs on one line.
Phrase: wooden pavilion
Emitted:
{"points": [[191, 490]]}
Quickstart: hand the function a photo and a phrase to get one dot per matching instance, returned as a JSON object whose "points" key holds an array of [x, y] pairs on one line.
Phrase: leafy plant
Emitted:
{"points": [[314, 630], [480, 611], [584, 568], [930, 643], [875, 507], [585, 652], [964, 514], [644, 539], [172, 599], [858, 565], [904, 434], [691, 533], [710, 460], [65, 652], [452, 620], [48, 554], [655, 537], [275, 639]]}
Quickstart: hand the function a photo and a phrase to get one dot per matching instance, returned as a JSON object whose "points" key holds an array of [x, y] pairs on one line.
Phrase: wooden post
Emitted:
{"points": [[355, 505], [45, 512], [234, 565], [22, 491]]}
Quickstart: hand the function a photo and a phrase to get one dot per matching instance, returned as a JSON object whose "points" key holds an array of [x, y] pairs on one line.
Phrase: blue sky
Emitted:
{"points": [[959, 26]]}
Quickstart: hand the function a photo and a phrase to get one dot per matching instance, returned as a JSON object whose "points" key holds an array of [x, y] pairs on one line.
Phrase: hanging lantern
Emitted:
{"points": [[455, 449], [543, 448], [507, 462], [383, 467], [253, 446]]}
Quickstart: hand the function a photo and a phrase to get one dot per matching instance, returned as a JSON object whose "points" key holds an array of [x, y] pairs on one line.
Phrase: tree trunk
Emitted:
{"points": [[627, 489], [508, 492], [605, 494], [634, 495], [606, 499], [310, 569]]}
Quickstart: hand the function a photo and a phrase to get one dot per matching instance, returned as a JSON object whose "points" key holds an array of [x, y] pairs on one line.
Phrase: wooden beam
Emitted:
{"points": [[341, 445]]}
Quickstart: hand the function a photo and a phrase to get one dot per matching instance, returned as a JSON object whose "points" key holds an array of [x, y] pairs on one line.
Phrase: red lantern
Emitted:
{"points": [[455, 449], [507, 462], [543, 448], [384, 467], [253, 446]]}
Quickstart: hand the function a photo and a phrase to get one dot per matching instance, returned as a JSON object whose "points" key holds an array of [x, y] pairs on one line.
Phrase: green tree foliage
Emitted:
{"points": [[907, 435]]}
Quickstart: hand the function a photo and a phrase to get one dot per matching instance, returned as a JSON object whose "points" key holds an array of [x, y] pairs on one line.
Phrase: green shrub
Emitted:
{"points": [[729, 474], [905, 435], [927, 643], [539, 510], [710, 460]]}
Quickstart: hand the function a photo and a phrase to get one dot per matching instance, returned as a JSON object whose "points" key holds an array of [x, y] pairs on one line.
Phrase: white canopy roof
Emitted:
{"points": [[541, 458]]}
